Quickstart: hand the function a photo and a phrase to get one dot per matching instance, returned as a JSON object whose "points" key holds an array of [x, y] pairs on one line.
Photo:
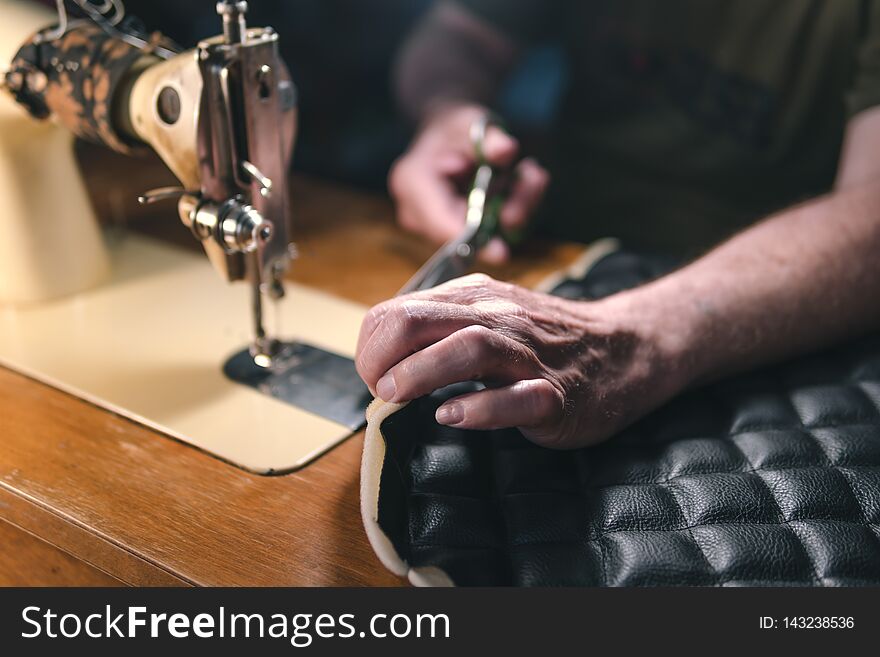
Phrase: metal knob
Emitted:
{"points": [[243, 229], [233, 224]]}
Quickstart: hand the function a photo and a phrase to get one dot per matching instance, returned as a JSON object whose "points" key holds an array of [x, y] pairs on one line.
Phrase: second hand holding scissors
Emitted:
{"points": [[481, 224]]}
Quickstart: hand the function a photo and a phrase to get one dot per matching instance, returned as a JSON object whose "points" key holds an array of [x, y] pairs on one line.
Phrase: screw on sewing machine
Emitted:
{"points": [[168, 105]]}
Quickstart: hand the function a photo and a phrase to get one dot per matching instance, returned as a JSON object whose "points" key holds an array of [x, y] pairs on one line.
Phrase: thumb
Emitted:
{"points": [[499, 148]]}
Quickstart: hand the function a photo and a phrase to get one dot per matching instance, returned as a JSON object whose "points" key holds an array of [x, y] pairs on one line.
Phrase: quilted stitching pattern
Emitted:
{"points": [[772, 478]]}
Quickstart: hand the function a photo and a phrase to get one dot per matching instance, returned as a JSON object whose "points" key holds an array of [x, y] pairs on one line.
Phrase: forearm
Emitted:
{"points": [[452, 56], [801, 279]]}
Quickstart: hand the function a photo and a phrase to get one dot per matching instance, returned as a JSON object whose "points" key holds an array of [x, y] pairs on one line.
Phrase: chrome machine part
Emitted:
{"points": [[247, 103]]}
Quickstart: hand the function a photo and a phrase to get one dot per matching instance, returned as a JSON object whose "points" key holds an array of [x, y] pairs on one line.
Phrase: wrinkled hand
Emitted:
{"points": [[427, 182], [566, 373]]}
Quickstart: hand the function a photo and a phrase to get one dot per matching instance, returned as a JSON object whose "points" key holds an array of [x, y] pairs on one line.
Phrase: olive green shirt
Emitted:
{"points": [[685, 120]]}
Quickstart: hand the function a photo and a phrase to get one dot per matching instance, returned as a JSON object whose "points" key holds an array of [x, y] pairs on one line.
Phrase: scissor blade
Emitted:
{"points": [[447, 263]]}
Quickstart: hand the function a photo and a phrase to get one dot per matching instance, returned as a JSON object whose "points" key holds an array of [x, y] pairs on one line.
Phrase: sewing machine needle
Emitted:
{"points": [[260, 349]]}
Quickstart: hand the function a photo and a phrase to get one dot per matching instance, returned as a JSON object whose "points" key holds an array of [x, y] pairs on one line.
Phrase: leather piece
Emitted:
{"points": [[770, 478]]}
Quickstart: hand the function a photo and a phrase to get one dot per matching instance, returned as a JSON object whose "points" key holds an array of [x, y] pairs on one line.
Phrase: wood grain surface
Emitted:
{"points": [[113, 501], [30, 561]]}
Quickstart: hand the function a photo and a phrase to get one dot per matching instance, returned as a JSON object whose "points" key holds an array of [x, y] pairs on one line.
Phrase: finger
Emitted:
{"points": [[474, 353], [434, 209], [495, 252], [407, 327], [534, 405], [499, 148], [376, 315], [530, 184], [428, 203], [467, 290], [453, 163], [464, 291], [371, 321]]}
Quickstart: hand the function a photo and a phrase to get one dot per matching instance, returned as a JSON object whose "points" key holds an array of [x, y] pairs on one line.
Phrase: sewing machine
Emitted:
{"points": [[138, 327]]}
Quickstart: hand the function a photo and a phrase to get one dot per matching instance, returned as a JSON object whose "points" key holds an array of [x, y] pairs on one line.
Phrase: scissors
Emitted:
{"points": [[481, 224]]}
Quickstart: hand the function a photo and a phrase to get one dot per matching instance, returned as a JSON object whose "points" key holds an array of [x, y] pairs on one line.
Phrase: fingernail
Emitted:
{"points": [[386, 388], [450, 414]]}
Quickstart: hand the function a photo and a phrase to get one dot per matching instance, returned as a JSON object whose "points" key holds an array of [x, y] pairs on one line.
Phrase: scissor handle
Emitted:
{"points": [[478, 131], [455, 257], [488, 188]]}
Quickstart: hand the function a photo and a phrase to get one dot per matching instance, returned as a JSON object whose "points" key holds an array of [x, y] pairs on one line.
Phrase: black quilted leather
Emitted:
{"points": [[772, 478]]}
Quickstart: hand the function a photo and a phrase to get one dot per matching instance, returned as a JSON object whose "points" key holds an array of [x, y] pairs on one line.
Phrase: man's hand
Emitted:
{"points": [[429, 181], [566, 373], [571, 373]]}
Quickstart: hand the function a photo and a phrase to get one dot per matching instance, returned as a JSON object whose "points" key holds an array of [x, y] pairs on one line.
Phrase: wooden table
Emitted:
{"points": [[90, 498]]}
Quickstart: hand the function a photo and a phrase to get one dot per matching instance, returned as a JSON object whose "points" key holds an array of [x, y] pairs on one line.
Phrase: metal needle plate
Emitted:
{"points": [[309, 378]]}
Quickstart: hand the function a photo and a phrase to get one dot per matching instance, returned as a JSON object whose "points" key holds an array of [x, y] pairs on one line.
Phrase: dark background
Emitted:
{"points": [[340, 53]]}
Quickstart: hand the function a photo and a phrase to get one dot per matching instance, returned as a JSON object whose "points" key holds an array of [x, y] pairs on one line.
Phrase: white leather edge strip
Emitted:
{"points": [[371, 475], [429, 576], [579, 268]]}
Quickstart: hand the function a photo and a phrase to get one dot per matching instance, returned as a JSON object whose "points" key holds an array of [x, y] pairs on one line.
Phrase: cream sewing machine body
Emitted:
{"points": [[137, 326], [32, 153]]}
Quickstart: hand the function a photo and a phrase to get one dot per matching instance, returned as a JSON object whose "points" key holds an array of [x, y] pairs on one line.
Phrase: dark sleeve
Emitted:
{"points": [[865, 91], [525, 21]]}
